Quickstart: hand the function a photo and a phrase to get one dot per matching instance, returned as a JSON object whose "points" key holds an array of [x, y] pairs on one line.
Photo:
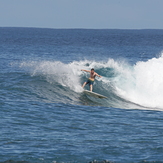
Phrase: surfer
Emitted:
{"points": [[91, 79]]}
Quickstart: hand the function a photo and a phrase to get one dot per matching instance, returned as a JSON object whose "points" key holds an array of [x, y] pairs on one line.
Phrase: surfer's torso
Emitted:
{"points": [[92, 76]]}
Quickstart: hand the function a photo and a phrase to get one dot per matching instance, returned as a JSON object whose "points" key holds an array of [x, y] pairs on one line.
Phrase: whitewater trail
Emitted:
{"points": [[141, 83]]}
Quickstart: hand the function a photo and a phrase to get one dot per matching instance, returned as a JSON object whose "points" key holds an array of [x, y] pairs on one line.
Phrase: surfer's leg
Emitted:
{"points": [[84, 84], [91, 87]]}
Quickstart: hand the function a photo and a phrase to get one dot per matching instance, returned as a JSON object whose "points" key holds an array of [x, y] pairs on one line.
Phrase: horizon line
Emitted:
{"points": [[79, 28]]}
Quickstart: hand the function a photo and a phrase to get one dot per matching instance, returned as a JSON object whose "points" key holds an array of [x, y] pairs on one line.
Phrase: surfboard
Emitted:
{"points": [[93, 94]]}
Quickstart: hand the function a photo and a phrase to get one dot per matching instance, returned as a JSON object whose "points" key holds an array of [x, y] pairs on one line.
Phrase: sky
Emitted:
{"points": [[90, 14]]}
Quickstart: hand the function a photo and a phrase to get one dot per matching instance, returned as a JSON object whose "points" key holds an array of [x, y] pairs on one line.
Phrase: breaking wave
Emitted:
{"points": [[125, 85]]}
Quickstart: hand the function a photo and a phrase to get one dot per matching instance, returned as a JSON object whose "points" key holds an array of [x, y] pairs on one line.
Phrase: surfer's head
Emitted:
{"points": [[92, 69]]}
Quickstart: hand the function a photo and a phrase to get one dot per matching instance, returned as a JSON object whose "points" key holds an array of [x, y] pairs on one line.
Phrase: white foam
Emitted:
{"points": [[64, 74], [144, 83]]}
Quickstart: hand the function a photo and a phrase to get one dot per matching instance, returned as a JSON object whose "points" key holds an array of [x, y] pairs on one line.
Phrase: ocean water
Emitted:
{"points": [[46, 118]]}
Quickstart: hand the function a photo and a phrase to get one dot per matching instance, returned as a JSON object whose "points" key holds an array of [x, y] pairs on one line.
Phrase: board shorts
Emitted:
{"points": [[90, 82]]}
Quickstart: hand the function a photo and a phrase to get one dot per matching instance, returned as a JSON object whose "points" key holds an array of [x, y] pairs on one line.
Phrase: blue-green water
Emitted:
{"points": [[46, 118]]}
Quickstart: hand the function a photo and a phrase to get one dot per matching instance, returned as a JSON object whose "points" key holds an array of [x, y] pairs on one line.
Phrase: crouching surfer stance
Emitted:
{"points": [[91, 79]]}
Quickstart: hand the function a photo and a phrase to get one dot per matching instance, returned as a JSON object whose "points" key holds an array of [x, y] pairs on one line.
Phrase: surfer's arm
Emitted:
{"points": [[98, 75], [85, 70]]}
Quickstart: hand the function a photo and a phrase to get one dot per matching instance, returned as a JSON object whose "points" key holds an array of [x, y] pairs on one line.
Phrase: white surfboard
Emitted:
{"points": [[93, 94]]}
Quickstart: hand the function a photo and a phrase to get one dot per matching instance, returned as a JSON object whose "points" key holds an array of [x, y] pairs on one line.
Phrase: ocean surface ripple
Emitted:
{"points": [[46, 118]]}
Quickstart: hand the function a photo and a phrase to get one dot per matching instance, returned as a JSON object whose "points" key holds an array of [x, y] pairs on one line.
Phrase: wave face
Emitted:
{"points": [[126, 86]]}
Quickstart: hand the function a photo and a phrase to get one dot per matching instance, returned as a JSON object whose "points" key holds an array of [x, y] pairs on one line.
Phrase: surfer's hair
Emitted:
{"points": [[92, 69]]}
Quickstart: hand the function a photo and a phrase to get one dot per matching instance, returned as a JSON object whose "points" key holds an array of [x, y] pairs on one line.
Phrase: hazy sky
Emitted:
{"points": [[121, 14]]}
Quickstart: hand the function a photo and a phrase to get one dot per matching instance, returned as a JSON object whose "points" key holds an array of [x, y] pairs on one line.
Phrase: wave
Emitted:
{"points": [[125, 85]]}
